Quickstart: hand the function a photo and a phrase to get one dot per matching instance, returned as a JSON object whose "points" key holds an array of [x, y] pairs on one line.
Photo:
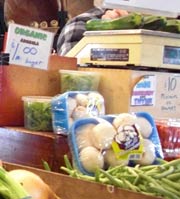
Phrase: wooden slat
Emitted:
{"points": [[28, 148]]}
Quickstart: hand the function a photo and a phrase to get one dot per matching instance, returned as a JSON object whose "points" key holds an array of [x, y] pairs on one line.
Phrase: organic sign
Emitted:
{"points": [[29, 46]]}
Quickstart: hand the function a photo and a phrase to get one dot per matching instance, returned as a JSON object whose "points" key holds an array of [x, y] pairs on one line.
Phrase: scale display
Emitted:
{"points": [[171, 55], [109, 54]]}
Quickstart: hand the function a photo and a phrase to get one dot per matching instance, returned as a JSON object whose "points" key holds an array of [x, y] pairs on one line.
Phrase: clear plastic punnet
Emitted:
{"points": [[74, 105], [169, 133]]}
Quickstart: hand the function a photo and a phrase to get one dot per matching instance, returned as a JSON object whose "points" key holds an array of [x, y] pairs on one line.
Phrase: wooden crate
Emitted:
{"points": [[29, 148], [67, 187]]}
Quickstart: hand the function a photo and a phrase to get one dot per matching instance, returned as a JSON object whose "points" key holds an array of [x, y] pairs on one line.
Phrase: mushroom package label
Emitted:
{"points": [[111, 140]]}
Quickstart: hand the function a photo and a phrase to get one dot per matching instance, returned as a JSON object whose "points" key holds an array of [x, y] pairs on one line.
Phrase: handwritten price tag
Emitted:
{"points": [[29, 46]]}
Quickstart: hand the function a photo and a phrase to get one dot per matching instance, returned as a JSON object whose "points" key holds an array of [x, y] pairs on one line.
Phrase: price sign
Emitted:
{"points": [[29, 46], [144, 91]]}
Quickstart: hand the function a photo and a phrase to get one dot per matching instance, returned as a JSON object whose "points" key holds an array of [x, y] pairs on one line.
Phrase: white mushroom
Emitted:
{"points": [[102, 135], [144, 126], [149, 154], [82, 99], [111, 159], [71, 103], [79, 112], [83, 137], [91, 159], [124, 119]]}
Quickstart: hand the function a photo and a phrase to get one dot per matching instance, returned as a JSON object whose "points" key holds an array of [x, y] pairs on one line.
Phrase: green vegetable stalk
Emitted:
{"points": [[9, 188]]}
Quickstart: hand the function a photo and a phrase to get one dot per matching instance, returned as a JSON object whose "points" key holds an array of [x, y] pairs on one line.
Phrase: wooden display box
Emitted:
{"points": [[17, 81], [29, 148], [118, 85], [67, 187]]}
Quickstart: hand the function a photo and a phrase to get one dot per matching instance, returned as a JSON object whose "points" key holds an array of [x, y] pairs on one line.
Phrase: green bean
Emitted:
{"points": [[116, 169], [162, 191], [97, 175], [115, 181], [170, 189], [149, 179], [147, 167], [71, 172], [165, 173], [174, 185], [161, 161], [126, 177], [130, 186], [46, 165], [132, 171], [175, 163], [174, 176], [67, 162], [85, 177], [136, 180]]}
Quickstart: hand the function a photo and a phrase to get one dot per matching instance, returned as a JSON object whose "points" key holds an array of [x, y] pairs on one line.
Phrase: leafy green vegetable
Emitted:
{"points": [[38, 116], [78, 82]]}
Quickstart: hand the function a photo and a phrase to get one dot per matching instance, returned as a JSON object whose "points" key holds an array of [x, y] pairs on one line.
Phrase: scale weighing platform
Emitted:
{"points": [[139, 47]]}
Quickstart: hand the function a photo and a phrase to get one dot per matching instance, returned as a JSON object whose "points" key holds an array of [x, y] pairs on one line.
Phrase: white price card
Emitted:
{"points": [[29, 46]]}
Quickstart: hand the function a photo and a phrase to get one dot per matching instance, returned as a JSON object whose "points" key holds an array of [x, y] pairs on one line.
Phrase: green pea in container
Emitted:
{"points": [[37, 113]]}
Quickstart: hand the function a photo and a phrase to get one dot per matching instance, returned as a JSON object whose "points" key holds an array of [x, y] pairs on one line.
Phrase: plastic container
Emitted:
{"points": [[74, 80], [112, 140], [73, 105], [37, 113], [169, 133]]}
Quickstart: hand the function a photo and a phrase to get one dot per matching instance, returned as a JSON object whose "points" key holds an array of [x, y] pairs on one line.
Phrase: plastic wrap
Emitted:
{"points": [[73, 105], [169, 133], [111, 140]]}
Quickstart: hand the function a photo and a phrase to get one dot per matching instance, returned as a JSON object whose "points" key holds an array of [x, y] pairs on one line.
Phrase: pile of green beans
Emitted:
{"points": [[161, 180]]}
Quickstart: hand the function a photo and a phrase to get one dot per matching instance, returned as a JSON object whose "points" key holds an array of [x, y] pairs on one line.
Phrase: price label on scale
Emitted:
{"points": [[28, 46]]}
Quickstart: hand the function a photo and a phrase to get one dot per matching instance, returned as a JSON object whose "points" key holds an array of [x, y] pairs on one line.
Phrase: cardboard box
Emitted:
{"points": [[154, 92], [17, 81], [67, 187]]}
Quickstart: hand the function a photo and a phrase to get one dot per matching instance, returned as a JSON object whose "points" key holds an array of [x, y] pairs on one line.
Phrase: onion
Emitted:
{"points": [[33, 184]]}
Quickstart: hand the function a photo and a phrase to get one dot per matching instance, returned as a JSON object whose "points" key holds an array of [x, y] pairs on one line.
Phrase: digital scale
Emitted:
{"points": [[139, 47]]}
